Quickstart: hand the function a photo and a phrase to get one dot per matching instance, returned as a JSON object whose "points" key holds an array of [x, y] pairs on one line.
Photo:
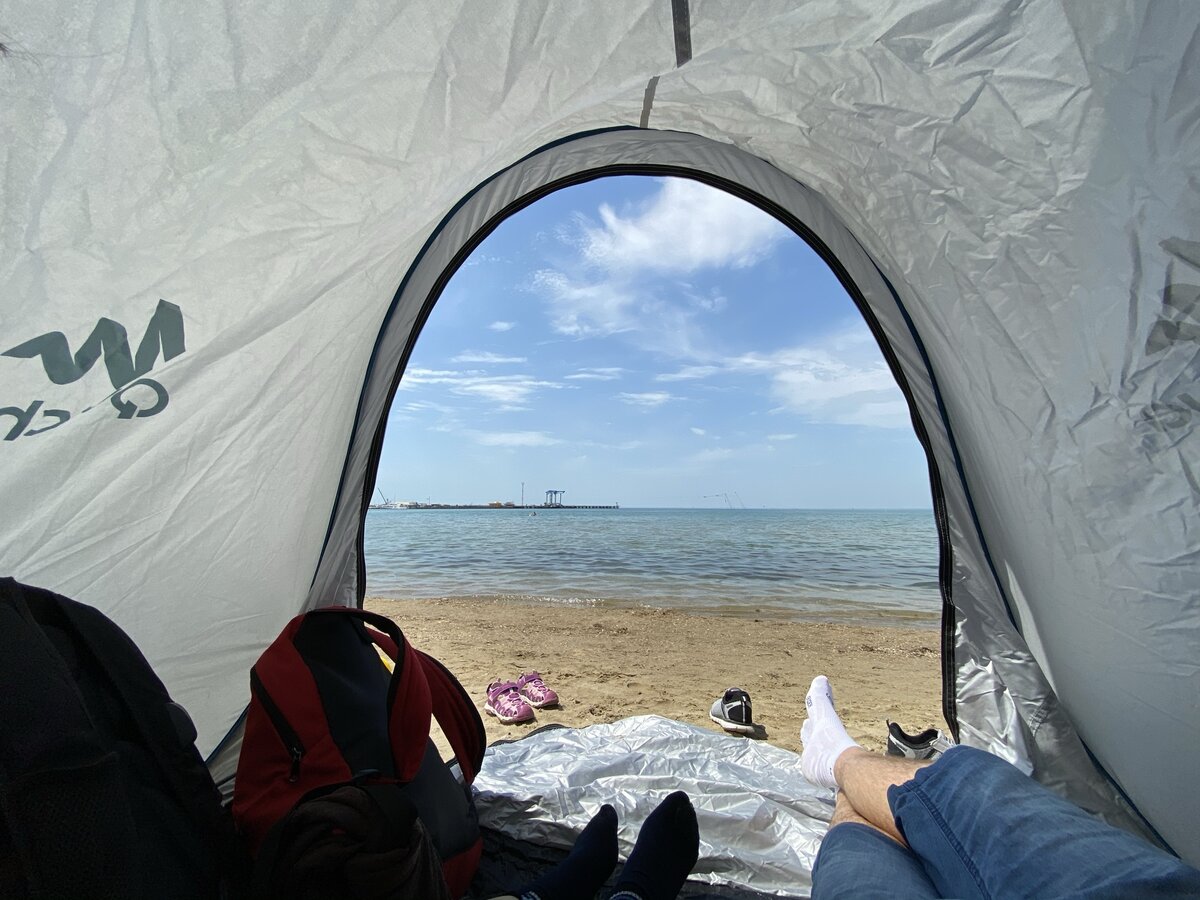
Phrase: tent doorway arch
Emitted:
{"points": [[1005, 707], [586, 158]]}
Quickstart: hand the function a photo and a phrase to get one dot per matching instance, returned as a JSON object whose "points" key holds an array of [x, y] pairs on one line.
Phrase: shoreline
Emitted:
{"points": [[607, 663], [844, 613]]}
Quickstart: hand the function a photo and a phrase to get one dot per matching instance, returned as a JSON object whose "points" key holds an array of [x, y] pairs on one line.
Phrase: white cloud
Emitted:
{"points": [[615, 286], [476, 259], [782, 437], [420, 406], [509, 392], [473, 356], [882, 414], [827, 389], [688, 373], [611, 373], [712, 455], [586, 306], [839, 380], [514, 439], [428, 376], [714, 301], [582, 309], [699, 431], [502, 326], [685, 227], [648, 400]]}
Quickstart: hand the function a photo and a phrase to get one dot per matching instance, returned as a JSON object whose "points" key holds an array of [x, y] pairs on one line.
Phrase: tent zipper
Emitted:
{"points": [[287, 734]]}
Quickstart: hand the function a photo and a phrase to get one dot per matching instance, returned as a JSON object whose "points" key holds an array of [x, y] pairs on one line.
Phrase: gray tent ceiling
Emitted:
{"points": [[221, 228]]}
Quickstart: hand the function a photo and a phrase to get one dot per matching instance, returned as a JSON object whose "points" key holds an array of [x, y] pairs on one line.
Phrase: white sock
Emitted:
{"points": [[824, 736]]}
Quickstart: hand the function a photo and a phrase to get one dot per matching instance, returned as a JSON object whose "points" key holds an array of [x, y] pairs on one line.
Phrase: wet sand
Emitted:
{"points": [[607, 664]]}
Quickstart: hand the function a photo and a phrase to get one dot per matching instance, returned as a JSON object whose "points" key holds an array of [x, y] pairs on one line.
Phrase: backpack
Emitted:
{"points": [[325, 711], [102, 790]]}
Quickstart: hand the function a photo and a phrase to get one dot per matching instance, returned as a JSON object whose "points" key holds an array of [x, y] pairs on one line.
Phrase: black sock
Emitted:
{"points": [[665, 852], [591, 861]]}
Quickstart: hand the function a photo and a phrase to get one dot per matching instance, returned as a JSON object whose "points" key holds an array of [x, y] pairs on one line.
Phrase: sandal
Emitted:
{"points": [[535, 692], [505, 703]]}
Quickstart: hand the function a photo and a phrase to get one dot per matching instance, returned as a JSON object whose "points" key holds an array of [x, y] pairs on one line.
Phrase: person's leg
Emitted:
{"points": [[591, 861], [827, 751], [865, 777], [982, 828], [665, 853], [857, 860]]}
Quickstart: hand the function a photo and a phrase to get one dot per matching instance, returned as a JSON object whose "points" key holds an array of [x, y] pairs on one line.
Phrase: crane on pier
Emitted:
{"points": [[725, 497]]}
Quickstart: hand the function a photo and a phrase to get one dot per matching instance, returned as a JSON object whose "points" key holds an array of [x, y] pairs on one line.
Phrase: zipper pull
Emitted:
{"points": [[297, 755]]}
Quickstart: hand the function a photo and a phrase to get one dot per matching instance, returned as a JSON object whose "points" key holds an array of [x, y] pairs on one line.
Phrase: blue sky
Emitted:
{"points": [[649, 342]]}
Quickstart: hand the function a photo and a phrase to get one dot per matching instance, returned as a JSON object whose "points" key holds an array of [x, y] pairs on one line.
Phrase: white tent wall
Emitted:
{"points": [[1024, 176]]}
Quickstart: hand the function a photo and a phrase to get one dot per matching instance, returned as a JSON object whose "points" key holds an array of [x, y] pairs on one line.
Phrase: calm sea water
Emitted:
{"points": [[860, 565]]}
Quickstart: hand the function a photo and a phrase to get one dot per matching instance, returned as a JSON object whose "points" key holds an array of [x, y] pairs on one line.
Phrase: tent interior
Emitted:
{"points": [[223, 229]]}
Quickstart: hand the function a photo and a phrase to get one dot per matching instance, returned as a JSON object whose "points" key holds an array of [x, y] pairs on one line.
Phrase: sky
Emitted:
{"points": [[651, 342]]}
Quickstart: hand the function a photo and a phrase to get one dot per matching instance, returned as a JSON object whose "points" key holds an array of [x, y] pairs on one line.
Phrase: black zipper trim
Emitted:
{"points": [[287, 734]]}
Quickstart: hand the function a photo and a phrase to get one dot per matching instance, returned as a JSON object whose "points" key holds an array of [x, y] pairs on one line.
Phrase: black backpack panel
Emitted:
{"points": [[102, 790]]}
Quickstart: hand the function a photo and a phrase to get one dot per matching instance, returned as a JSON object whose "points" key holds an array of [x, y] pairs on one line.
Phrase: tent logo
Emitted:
{"points": [[134, 396]]}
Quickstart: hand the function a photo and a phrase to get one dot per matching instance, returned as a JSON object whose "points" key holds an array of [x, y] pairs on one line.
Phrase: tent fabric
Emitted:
{"points": [[221, 230], [543, 789]]}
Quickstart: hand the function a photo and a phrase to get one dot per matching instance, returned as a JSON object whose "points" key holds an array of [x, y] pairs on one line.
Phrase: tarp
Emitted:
{"points": [[760, 821], [221, 228]]}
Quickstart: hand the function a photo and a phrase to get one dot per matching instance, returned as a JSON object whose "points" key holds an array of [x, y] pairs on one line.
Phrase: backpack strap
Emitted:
{"points": [[410, 706], [457, 715], [451, 705]]}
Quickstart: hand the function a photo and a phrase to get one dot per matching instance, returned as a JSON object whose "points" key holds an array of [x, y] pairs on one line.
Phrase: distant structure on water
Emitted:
{"points": [[553, 501]]}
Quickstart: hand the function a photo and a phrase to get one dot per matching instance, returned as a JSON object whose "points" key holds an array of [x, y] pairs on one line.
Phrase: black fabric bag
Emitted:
{"points": [[365, 842], [102, 791]]}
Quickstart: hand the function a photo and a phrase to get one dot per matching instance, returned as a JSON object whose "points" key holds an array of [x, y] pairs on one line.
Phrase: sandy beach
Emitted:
{"points": [[607, 664]]}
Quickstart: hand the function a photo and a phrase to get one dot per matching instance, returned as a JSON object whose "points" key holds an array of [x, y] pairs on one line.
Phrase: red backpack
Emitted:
{"points": [[324, 711]]}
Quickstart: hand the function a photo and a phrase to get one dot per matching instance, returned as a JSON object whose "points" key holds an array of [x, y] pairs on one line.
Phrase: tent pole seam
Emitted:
{"points": [[681, 19], [648, 101]]}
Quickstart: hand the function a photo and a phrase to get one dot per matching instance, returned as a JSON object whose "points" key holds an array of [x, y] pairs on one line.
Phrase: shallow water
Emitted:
{"points": [[857, 565]]}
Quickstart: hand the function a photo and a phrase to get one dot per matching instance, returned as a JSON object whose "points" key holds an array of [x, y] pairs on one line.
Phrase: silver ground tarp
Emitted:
{"points": [[760, 821]]}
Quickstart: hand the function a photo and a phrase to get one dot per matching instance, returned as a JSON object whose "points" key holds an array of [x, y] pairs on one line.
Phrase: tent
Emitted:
{"points": [[223, 226]]}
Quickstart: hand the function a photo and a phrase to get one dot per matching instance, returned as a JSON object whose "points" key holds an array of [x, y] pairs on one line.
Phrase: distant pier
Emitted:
{"points": [[532, 506]]}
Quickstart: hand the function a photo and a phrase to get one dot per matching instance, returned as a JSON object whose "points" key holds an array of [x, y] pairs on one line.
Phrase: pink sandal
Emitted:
{"points": [[505, 703], [535, 692]]}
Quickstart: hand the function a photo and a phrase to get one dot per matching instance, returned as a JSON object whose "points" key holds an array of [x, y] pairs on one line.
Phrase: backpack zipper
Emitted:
{"points": [[291, 740]]}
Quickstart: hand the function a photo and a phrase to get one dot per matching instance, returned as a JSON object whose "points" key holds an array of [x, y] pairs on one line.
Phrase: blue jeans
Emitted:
{"points": [[977, 827]]}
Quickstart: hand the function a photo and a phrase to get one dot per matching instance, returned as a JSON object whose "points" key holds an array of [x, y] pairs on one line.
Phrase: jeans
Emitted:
{"points": [[977, 827]]}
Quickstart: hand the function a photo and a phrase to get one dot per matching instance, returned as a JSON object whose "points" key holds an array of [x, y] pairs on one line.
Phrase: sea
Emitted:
{"points": [[859, 566]]}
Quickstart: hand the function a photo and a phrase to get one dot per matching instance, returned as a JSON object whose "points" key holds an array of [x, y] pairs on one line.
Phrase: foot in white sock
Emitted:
{"points": [[824, 736]]}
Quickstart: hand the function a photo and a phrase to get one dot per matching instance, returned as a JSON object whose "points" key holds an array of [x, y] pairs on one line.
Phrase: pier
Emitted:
{"points": [[533, 506], [553, 501]]}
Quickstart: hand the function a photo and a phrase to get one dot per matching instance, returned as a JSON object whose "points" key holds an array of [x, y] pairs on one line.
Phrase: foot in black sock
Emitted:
{"points": [[589, 864], [665, 853]]}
